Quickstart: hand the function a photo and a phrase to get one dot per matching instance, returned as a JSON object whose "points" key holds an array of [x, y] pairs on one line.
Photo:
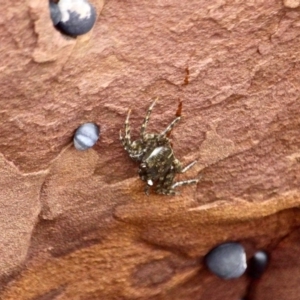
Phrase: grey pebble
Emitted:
{"points": [[86, 136], [227, 261]]}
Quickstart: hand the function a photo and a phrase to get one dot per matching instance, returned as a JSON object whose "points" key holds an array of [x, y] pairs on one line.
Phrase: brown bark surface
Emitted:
{"points": [[77, 225]]}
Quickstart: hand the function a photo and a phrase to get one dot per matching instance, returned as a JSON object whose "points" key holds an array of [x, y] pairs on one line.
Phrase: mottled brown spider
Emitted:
{"points": [[157, 163]]}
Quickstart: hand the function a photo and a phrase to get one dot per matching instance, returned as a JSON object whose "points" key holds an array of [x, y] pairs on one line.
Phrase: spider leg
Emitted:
{"points": [[169, 192], [169, 128], [126, 141], [178, 114], [188, 166], [164, 185], [179, 169], [147, 188], [146, 120], [184, 182]]}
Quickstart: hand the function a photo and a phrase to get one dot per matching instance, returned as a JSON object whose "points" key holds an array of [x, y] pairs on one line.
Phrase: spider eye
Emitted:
{"points": [[143, 165]]}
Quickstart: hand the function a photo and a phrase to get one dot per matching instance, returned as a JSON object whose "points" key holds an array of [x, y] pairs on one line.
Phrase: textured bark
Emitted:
{"points": [[77, 225]]}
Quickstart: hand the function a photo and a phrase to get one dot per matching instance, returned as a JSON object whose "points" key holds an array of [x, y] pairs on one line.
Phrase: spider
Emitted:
{"points": [[153, 151]]}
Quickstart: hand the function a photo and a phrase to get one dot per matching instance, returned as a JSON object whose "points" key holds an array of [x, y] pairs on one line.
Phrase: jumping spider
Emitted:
{"points": [[157, 163]]}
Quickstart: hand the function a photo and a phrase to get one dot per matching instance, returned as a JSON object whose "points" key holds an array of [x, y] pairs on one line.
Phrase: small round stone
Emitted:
{"points": [[55, 13], [258, 264], [78, 17], [227, 261], [86, 136]]}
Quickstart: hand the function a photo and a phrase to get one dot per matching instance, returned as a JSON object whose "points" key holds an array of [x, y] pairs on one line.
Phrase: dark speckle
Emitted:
{"points": [[153, 273], [51, 295], [258, 264], [73, 246]]}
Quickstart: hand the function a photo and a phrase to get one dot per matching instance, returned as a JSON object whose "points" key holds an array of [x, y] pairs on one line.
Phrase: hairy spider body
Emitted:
{"points": [[154, 153]]}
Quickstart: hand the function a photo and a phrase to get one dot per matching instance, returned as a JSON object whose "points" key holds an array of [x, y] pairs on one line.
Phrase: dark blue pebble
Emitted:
{"points": [[257, 264], [227, 261], [76, 22]]}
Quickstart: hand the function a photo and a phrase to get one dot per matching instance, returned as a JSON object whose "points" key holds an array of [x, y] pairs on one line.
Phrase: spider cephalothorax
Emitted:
{"points": [[153, 151]]}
